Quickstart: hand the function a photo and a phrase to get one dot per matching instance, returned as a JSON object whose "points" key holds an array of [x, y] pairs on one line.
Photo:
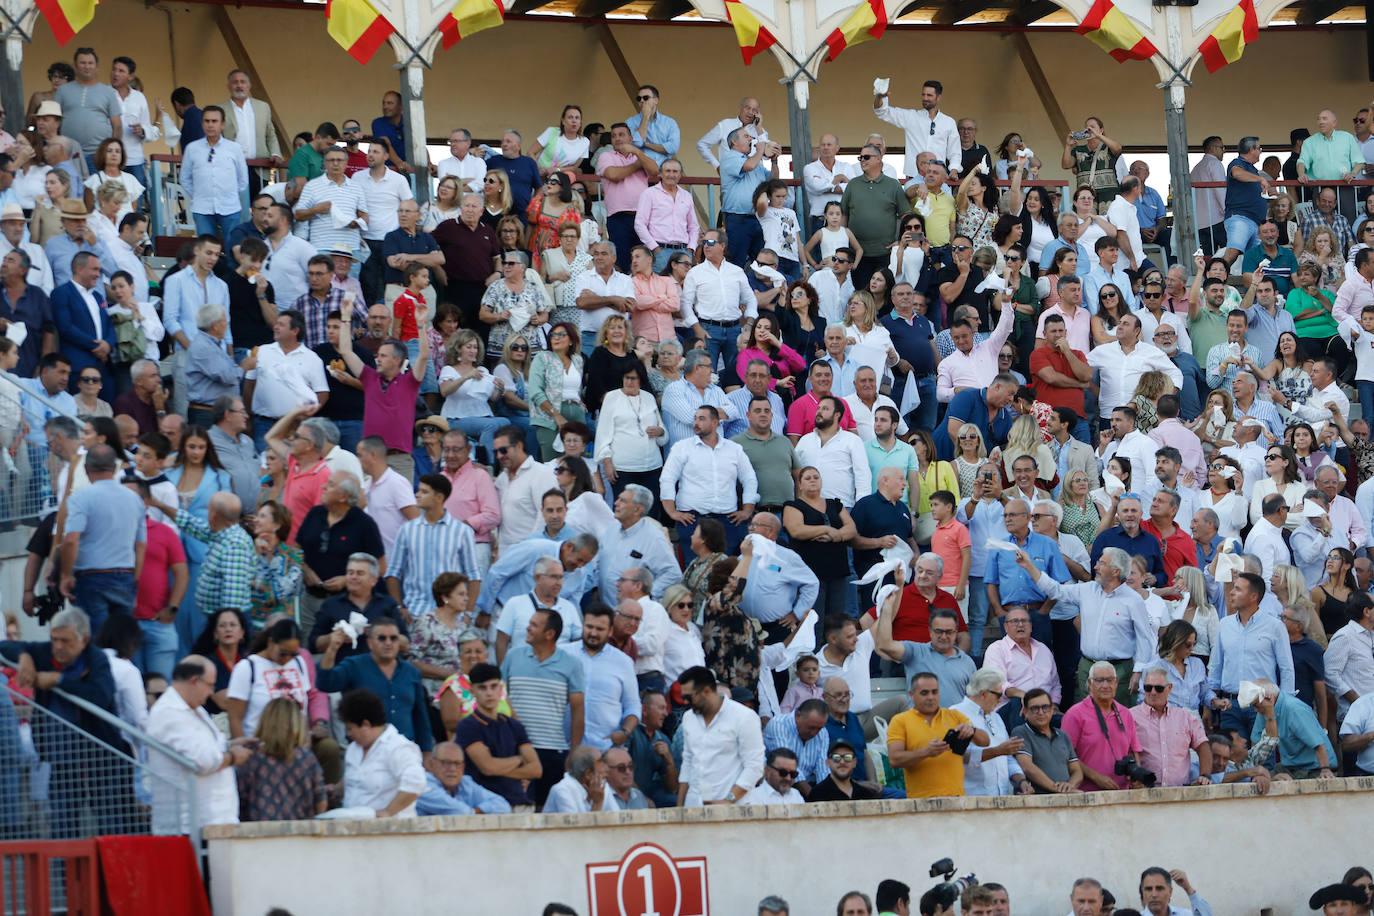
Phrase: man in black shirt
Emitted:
{"points": [[252, 300], [956, 282], [345, 404], [839, 786], [1309, 662]]}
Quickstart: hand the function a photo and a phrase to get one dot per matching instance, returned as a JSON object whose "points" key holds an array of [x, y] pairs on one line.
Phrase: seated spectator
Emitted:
{"points": [[843, 761], [916, 742], [620, 780], [779, 781], [455, 697], [803, 733], [807, 686], [382, 769], [381, 671], [655, 770], [1224, 770], [496, 743], [281, 780], [1168, 733], [448, 792], [994, 770], [583, 786], [359, 597], [1046, 755], [1304, 750]]}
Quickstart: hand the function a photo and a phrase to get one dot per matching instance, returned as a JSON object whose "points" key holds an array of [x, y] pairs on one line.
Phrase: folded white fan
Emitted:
{"points": [[880, 86], [772, 275], [992, 282], [353, 627], [1227, 472], [18, 332], [995, 544]]}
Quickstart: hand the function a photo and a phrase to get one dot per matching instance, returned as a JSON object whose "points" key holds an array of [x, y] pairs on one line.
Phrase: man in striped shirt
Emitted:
{"points": [[433, 543], [546, 684]]}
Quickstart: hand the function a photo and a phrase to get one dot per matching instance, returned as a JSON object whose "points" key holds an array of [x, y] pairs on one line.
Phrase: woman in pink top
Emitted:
{"points": [[764, 341], [656, 298]]}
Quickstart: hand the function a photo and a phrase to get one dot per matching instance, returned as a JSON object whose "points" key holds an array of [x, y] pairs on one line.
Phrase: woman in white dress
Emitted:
{"points": [[587, 509], [1091, 227], [109, 166], [1225, 495], [561, 147], [630, 434], [1281, 464]]}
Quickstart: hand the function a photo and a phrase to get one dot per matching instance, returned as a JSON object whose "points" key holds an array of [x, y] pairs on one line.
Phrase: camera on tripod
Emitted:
{"points": [[946, 894]]}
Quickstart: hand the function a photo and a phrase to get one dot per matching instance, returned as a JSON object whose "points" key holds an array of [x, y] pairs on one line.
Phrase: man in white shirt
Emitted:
{"points": [[1124, 361], [865, 400], [517, 611], [636, 584], [722, 747], [332, 208], [288, 257], [178, 721], [521, 486], [990, 770], [834, 286], [700, 476], [718, 293], [837, 453], [600, 293], [1350, 657], [1325, 391], [825, 179], [390, 497], [1152, 314], [1346, 521], [583, 786], [282, 375], [713, 143], [927, 130], [1121, 213], [780, 770], [136, 122], [12, 226], [1130, 443], [1251, 438], [383, 190], [1266, 536], [467, 168]]}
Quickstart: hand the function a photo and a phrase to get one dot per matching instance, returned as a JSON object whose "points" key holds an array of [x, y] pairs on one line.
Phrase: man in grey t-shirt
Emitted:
{"points": [[103, 542], [91, 110]]}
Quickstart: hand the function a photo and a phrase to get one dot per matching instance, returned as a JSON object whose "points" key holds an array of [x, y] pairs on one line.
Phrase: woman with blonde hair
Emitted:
{"points": [[282, 780], [1284, 212], [1152, 386], [446, 204], [1082, 517], [1025, 439], [46, 221], [934, 475], [1142, 581], [1323, 251], [514, 401], [497, 203], [970, 453], [468, 389], [111, 203], [1197, 611], [861, 326], [1216, 425], [1187, 673]]}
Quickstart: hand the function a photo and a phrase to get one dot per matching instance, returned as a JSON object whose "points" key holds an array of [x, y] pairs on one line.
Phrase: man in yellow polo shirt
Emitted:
{"points": [[932, 768]]}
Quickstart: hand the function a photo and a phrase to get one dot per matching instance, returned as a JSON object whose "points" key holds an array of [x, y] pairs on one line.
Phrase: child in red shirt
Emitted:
{"points": [[403, 326]]}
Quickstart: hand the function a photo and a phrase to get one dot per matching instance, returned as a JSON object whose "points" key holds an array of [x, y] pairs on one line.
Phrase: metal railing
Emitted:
{"points": [[60, 781], [28, 470]]}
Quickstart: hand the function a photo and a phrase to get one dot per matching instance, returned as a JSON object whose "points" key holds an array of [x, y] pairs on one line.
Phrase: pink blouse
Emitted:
{"points": [[656, 302], [786, 362]]}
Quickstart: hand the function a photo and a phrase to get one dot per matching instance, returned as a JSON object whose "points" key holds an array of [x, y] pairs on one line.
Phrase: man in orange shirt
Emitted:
{"points": [[916, 742]]}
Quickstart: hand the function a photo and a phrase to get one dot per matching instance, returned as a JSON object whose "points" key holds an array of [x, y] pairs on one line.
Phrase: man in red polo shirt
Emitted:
{"points": [[1061, 372], [912, 623], [1177, 545]]}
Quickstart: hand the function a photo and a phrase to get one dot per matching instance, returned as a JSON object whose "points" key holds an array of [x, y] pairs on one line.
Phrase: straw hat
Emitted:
{"points": [[48, 108], [433, 420], [72, 208]]}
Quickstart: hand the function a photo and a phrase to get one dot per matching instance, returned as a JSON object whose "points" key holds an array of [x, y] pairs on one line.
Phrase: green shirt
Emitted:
{"points": [[774, 459], [902, 457], [1300, 301], [1333, 158], [1207, 330], [872, 208], [305, 163]]}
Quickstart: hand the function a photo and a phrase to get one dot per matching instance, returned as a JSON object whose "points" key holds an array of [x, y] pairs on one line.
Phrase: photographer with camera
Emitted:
{"points": [[937, 738], [973, 898], [1167, 733], [1103, 733]]}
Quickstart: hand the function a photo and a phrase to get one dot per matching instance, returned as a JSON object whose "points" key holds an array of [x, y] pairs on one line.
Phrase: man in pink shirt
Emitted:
{"points": [[625, 172], [1171, 431], [1102, 731], [801, 416], [388, 393], [1167, 733], [161, 587], [1026, 664], [951, 543], [301, 448], [474, 498], [667, 218], [973, 365], [390, 498], [1077, 321]]}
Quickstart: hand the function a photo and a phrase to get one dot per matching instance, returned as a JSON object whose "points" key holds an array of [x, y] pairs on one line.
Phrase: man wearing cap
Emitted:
{"points": [[76, 237], [842, 759], [47, 122], [12, 226]]}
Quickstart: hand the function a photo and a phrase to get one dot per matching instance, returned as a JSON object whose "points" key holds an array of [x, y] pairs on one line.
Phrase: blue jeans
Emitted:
{"points": [[588, 344], [261, 426], [1241, 232], [216, 224], [620, 228], [1366, 393], [977, 614], [733, 533], [1243, 719], [1082, 431], [483, 429], [103, 594], [744, 237], [350, 434], [663, 255], [722, 340], [158, 654]]}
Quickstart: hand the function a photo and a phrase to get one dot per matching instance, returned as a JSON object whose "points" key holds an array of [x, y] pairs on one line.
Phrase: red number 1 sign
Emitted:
{"points": [[648, 881]]}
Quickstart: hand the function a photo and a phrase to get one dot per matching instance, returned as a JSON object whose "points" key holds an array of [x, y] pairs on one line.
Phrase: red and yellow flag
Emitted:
{"points": [[1113, 32], [470, 17], [868, 20], [752, 36], [66, 17], [1228, 40], [357, 27]]}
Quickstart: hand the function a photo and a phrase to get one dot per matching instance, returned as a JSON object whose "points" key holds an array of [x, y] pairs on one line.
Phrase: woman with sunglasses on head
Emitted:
{"points": [[514, 402], [551, 208], [1225, 495], [1187, 673], [513, 305]]}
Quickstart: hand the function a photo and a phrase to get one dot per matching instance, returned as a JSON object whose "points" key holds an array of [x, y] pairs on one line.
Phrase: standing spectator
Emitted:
{"points": [[665, 217], [281, 780], [741, 174], [87, 330], [1211, 202], [941, 140], [473, 497], [1099, 748], [872, 204], [226, 573], [654, 132], [522, 171], [329, 536], [722, 745], [383, 769], [390, 497], [91, 110], [104, 542], [496, 743], [178, 721], [613, 707], [282, 376], [211, 372], [837, 453], [994, 770], [685, 396], [1349, 662], [333, 206], [184, 293], [395, 681], [383, 192], [1025, 663], [626, 171], [162, 588], [136, 121], [462, 165], [405, 245], [1329, 155], [916, 742], [287, 264], [546, 683], [389, 394], [520, 487], [426, 546], [1249, 646], [214, 176], [700, 475]]}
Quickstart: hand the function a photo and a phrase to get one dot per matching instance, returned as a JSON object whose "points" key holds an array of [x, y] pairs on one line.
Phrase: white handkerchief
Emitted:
{"points": [[1228, 564], [764, 270], [1247, 693], [1312, 510], [994, 544], [883, 594], [1026, 152], [1233, 350], [1228, 472], [981, 167], [1113, 484], [17, 332], [992, 282], [353, 627], [880, 85], [764, 549]]}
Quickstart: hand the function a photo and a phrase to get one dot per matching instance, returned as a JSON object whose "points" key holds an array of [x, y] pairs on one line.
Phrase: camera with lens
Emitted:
{"points": [[1133, 771], [958, 746], [946, 894]]}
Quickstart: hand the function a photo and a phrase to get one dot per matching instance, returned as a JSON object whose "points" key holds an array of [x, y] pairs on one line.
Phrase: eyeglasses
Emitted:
{"points": [[562, 469], [1039, 707], [864, 157], [488, 181], [969, 436], [394, 637], [89, 380], [1217, 467], [1012, 257], [451, 763], [1156, 688], [1103, 680], [961, 248], [935, 632], [785, 774], [511, 263], [842, 758], [1109, 295], [629, 616], [840, 696], [431, 429]]}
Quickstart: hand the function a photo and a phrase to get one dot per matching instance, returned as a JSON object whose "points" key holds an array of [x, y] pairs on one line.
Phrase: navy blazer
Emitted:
{"points": [[78, 336]]}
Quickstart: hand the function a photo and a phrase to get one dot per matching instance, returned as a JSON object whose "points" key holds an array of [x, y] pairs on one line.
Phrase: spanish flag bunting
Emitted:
{"points": [[1228, 40], [1113, 32], [753, 38], [868, 20], [66, 17], [468, 18], [357, 27]]}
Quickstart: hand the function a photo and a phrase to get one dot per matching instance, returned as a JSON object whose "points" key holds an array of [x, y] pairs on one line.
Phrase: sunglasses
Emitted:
{"points": [[864, 157], [644, 98], [515, 347], [88, 380], [1109, 295], [501, 449], [841, 261], [395, 637], [785, 774], [961, 248], [1152, 295], [842, 758], [1039, 708], [1156, 688], [711, 243]]}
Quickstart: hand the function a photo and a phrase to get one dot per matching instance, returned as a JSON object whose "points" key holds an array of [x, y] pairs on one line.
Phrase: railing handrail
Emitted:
{"points": [[1285, 183]]}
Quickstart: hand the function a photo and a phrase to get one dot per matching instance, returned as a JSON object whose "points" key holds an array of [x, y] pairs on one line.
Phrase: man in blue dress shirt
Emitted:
{"points": [[1129, 536], [783, 589], [636, 541], [1008, 584], [447, 791], [612, 697], [650, 129], [513, 573], [1249, 646]]}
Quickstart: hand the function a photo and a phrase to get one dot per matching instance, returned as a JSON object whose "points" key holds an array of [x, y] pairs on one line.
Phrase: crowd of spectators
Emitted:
{"points": [[508, 503]]}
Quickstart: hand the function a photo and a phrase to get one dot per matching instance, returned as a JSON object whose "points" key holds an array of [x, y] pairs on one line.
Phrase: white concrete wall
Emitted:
{"points": [[1245, 854]]}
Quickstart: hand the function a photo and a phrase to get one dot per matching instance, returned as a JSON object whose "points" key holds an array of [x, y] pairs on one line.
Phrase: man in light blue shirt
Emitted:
{"points": [[781, 587], [104, 543], [740, 176], [211, 372], [952, 666], [76, 237], [1157, 889], [448, 792], [995, 774], [802, 732], [756, 377], [695, 389], [651, 130], [214, 175], [1249, 646], [184, 293], [613, 704], [1268, 318], [1150, 210], [1068, 238], [513, 572], [1007, 583], [1108, 270], [635, 542]]}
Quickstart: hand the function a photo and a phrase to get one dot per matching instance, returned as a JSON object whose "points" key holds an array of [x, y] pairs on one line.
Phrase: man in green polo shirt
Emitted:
{"points": [[872, 205], [308, 161], [1332, 155], [885, 450], [775, 462]]}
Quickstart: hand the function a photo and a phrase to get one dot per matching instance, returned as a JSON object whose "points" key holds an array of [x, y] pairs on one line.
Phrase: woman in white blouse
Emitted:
{"points": [[682, 647], [630, 434], [861, 326], [468, 390], [382, 768], [1225, 495], [29, 173], [1281, 463]]}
